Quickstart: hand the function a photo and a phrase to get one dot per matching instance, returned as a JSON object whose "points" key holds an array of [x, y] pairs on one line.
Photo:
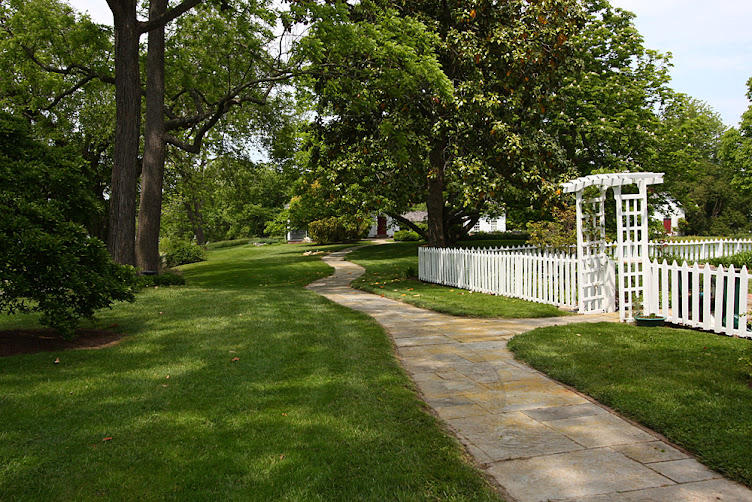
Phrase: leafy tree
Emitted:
{"points": [[222, 198], [228, 41], [609, 120], [436, 103], [50, 264], [736, 150], [41, 46], [690, 138]]}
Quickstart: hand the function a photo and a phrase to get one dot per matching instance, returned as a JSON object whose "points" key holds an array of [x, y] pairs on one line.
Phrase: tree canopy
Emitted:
{"points": [[437, 103]]}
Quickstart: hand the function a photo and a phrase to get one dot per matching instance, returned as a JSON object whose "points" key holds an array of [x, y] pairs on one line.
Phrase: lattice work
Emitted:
{"points": [[595, 293], [631, 249], [596, 289]]}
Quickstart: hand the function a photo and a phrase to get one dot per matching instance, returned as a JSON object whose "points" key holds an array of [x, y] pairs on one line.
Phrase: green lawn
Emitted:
{"points": [[688, 385], [391, 271], [315, 407]]}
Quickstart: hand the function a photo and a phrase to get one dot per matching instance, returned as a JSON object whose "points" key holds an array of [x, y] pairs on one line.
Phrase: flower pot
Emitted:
{"points": [[649, 321]]}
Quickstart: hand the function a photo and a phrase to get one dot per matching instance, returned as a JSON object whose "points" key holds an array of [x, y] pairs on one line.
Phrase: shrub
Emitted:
{"points": [[179, 252], [406, 235], [337, 229], [49, 263], [738, 260], [507, 236], [557, 235], [163, 279]]}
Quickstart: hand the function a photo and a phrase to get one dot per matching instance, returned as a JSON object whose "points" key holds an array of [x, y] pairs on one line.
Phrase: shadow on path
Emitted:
{"points": [[538, 439]]}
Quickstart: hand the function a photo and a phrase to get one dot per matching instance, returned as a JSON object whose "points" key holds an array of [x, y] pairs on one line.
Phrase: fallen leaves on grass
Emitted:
{"points": [[234, 359]]}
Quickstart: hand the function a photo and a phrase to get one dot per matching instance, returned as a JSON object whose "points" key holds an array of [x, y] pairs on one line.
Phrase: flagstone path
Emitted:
{"points": [[538, 439]]}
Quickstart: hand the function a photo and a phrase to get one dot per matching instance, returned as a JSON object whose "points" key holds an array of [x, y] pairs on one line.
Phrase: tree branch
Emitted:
{"points": [[404, 221], [167, 16], [74, 69]]}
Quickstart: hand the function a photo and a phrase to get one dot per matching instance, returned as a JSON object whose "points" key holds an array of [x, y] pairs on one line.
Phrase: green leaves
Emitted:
{"points": [[50, 263]]}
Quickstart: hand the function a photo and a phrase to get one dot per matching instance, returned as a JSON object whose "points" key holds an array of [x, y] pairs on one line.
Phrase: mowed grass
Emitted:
{"points": [[688, 385], [241, 385], [391, 271]]}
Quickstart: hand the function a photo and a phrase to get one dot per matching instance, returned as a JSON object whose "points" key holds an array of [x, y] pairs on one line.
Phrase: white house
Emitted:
{"points": [[489, 224], [669, 213]]}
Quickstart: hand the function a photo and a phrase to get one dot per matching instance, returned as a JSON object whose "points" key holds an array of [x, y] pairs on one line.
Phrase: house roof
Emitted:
{"points": [[611, 180], [416, 216]]}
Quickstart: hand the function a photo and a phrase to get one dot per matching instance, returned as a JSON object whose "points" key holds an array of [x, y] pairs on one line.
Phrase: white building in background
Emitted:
{"points": [[488, 224], [670, 213]]}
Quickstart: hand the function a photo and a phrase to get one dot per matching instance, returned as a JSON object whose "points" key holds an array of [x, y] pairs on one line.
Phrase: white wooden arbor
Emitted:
{"points": [[595, 281]]}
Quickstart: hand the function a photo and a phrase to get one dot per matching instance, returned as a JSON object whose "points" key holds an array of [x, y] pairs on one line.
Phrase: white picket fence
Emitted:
{"points": [[518, 272], [698, 250], [700, 296]]}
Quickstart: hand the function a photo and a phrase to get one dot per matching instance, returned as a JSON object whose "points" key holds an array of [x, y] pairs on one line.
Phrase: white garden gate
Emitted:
{"points": [[596, 288]]}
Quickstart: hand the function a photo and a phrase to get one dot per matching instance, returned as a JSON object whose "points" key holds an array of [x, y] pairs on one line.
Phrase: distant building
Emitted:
{"points": [[669, 213], [489, 224]]}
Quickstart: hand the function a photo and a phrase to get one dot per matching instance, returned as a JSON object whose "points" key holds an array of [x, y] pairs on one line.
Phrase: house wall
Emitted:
{"points": [[391, 227], [485, 224], [671, 211]]}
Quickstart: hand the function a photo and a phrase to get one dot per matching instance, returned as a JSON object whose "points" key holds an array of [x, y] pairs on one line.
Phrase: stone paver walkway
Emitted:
{"points": [[539, 440]]}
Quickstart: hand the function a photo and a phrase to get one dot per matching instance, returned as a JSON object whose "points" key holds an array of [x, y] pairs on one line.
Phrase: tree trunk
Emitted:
{"points": [[435, 201], [152, 173], [195, 217], [122, 231]]}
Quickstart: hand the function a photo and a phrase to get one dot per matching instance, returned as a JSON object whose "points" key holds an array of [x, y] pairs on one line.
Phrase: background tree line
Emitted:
{"points": [[232, 108]]}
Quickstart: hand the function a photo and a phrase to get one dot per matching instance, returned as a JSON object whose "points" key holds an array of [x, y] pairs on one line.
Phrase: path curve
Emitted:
{"points": [[539, 440]]}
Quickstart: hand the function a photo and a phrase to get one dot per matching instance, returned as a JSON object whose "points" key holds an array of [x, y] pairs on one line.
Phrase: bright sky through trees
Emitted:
{"points": [[711, 45]]}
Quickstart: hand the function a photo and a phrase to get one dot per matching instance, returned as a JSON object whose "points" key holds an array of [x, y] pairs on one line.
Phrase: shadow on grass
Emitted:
{"points": [[688, 385], [314, 407]]}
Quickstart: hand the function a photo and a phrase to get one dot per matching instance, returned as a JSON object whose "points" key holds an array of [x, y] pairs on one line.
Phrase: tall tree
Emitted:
{"points": [[125, 170], [610, 118], [736, 149], [423, 101]]}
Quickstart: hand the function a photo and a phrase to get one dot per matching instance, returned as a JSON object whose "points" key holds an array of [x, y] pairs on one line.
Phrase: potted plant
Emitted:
{"points": [[643, 319]]}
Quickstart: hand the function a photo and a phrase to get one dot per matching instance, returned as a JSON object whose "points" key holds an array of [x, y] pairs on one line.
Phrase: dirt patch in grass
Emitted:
{"points": [[31, 341]]}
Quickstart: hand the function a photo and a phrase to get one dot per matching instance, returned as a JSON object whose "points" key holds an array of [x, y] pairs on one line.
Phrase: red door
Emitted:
{"points": [[667, 225], [381, 225]]}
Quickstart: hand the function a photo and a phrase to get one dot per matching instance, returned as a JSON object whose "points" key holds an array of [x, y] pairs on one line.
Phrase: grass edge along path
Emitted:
{"points": [[241, 385], [391, 271], [690, 386]]}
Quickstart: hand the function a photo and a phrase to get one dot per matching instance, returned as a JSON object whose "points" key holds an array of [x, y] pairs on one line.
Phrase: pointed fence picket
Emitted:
{"points": [[518, 272], [698, 250], [701, 296]]}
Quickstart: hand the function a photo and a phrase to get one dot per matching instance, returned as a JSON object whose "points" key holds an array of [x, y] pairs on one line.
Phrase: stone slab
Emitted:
{"points": [[512, 435], [655, 451], [600, 430], [574, 475], [684, 471]]}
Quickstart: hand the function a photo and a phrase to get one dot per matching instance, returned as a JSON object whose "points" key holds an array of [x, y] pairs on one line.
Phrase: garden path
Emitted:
{"points": [[538, 439]]}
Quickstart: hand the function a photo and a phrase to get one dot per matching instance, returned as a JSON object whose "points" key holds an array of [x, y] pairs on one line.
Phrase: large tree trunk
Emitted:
{"points": [[122, 229], [152, 173], [435, 201]]}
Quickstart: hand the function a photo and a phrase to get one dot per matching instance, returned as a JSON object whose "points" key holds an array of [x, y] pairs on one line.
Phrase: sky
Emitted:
{"points": [[710, 41]]}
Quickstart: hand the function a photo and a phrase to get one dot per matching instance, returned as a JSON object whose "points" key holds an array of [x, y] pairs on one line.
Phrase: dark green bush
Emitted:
{"points": [[48, 262], [338, 229], [511, 235], [406, 235], [738, 260], [163, 279], [178, 252]]}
